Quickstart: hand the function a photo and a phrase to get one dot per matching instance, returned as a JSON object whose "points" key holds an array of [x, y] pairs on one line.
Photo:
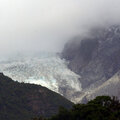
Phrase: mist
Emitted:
{"points": [[46, 25]]}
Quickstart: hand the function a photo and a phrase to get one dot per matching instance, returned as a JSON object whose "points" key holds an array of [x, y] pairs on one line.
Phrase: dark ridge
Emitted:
{"points": [[19, 101]]}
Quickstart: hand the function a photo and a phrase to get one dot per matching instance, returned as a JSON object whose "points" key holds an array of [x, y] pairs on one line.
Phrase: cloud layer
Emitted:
{"points": [[38, 25]]}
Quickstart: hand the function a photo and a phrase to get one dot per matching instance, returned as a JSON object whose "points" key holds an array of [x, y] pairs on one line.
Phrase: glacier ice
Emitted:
{"points": [[46, 69]]}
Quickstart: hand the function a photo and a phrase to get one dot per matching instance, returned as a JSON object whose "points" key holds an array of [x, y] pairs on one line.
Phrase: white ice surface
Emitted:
{"points": [[48, 70]]}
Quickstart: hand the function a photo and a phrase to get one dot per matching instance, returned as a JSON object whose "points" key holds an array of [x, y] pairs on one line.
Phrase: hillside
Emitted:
{"points": [[19, 101]]}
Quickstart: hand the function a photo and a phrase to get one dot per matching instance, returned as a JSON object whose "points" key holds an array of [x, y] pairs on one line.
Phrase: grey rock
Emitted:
{"points": [[96, 59]]}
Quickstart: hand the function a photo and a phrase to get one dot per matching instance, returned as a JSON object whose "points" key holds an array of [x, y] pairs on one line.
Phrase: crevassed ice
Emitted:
{"points": [[47, 70]]}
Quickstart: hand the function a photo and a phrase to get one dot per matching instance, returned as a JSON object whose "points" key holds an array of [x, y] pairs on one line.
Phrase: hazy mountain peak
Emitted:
{"points": [[96, 58]]}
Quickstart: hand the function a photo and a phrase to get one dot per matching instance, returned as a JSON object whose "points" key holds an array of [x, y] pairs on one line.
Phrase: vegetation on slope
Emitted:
{"points": [[101, 108], [19, 101]]}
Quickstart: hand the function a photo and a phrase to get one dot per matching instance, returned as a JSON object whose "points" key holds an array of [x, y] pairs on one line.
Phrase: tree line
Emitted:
{"points": [[101, 108]]}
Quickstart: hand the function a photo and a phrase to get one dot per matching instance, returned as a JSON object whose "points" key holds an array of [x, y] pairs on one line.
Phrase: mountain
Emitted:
{"points": [[20, 101], [96, 58], [46, 69]]}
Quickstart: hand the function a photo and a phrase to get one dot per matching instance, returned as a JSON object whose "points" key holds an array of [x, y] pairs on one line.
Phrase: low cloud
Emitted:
{"points": [[45, 25]]}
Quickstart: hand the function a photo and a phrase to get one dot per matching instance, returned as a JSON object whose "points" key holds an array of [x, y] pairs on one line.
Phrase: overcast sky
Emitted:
{"points": [[38, 25]]}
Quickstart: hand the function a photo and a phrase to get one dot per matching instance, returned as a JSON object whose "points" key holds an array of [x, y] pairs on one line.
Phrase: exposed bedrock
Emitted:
{"points": [[95, 58]]}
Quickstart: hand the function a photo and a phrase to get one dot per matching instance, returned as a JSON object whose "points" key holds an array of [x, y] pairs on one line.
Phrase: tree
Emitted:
{"points": [[101, 108]]}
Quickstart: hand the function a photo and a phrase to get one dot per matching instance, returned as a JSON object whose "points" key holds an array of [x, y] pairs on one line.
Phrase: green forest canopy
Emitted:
{"points": [[101, 108]]}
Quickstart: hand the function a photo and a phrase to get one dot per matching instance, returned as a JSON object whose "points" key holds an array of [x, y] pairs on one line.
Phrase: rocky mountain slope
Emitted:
{"points": [[95, 58], [110, 87], [19, 101]]}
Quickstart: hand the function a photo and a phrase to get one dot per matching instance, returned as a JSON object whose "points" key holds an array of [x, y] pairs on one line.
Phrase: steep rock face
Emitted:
{"points": [[95, 58], [110, 87], [19, 101]]}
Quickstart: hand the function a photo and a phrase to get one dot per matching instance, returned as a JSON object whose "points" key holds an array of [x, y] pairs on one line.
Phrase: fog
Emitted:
{"points": [[46, 25]]}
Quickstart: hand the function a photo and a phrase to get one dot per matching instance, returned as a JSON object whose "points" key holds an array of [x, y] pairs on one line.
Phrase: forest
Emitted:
{"points": [[101, 108]]}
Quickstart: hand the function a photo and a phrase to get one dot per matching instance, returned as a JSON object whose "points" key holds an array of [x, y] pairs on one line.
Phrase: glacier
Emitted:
{"points": [[46, 69]]}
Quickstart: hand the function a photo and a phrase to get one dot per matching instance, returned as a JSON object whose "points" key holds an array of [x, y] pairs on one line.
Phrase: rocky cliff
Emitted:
{"points": [[95, 58]]}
